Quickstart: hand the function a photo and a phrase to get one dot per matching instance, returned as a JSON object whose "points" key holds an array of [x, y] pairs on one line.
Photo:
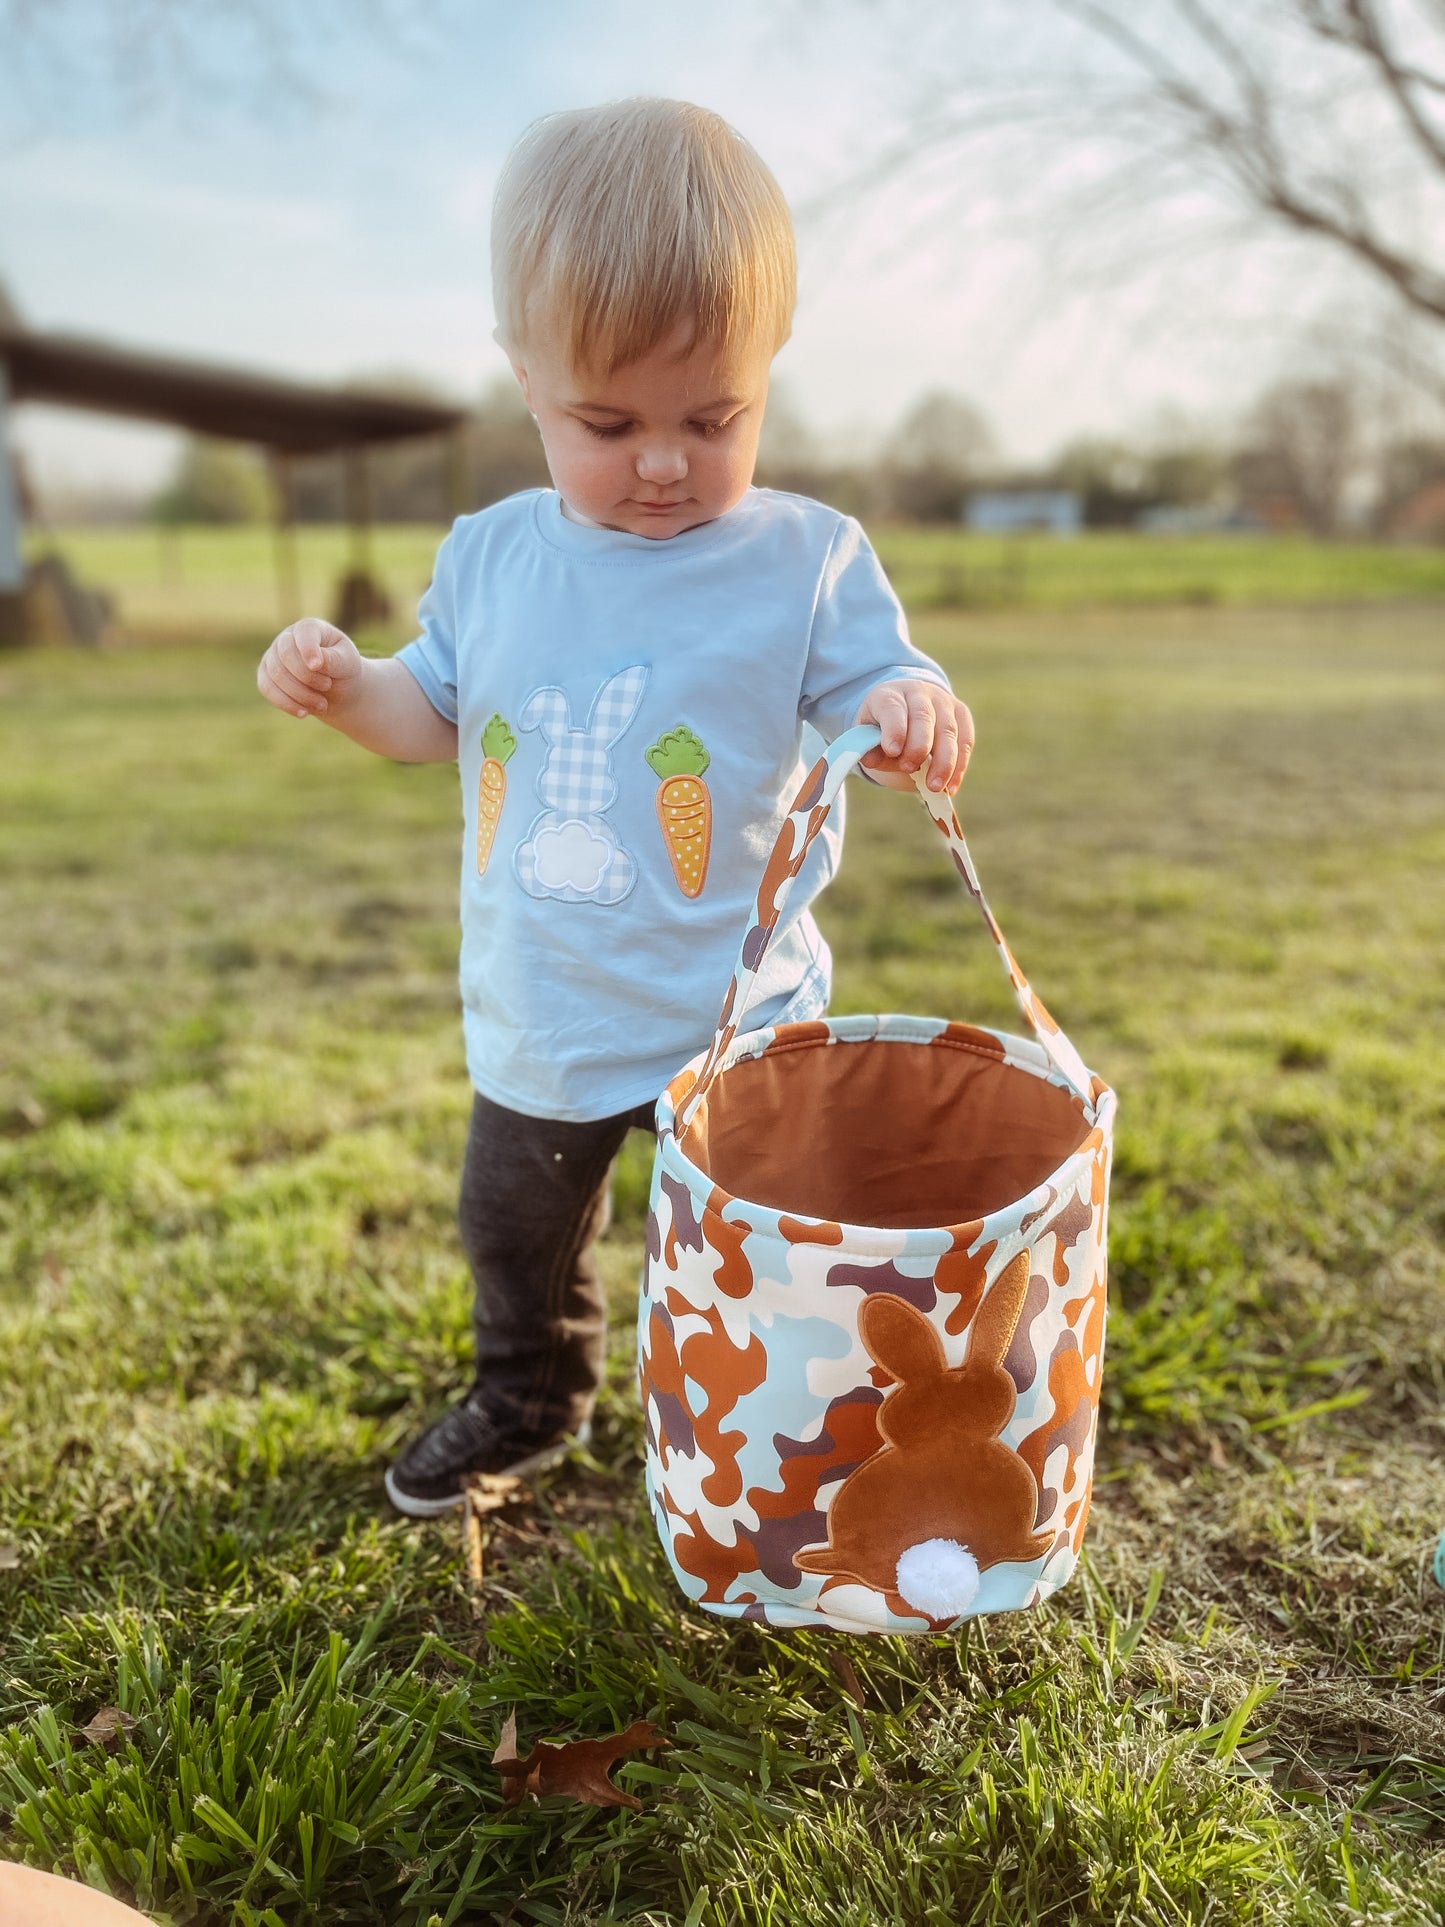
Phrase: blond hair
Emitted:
{"points": [[613, 225]]}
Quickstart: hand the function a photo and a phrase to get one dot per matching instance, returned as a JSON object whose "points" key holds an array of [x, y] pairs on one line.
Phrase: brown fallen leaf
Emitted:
{"points": [[575, 1769], [109, 1727], [9, 1558], [1296, 1773]]}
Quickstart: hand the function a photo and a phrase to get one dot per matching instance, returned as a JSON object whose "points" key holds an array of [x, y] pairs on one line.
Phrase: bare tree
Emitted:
{"points": [[788, 445], [1308, 110], [1140, 136], [1303, 447], [941, 445], [138, 57], [1408, 467]]}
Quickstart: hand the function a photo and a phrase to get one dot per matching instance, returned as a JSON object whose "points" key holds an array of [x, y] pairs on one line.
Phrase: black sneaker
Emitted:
{"points": [[427, 1479]]}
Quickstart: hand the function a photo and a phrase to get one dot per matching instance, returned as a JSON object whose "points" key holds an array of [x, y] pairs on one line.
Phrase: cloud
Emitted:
{"points": [[102, 180], [570, 856]]}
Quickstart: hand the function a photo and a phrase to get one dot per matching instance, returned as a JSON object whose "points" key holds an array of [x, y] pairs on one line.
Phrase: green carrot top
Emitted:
{"points": [[498, 742], [678, 752]]}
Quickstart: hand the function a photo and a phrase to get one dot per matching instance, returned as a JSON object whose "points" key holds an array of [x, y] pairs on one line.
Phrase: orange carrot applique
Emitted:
{"points": [[498, 746], [684, 807]]}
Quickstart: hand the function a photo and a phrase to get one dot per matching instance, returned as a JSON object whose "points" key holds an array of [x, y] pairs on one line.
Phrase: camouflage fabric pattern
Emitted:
{"points": [[759, 1395]]}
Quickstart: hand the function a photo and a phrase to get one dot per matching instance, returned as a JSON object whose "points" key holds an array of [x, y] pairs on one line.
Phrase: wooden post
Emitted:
{"points": [[288, 567], [358, 511], [12, 566], [12, 562], [458, 494]]}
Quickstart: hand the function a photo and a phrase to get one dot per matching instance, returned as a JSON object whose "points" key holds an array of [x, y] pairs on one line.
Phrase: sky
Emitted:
{"points": [[335, 222]]}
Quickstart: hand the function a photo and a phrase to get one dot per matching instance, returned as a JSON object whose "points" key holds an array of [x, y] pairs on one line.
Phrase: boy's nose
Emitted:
{"points": [[661, 465]]}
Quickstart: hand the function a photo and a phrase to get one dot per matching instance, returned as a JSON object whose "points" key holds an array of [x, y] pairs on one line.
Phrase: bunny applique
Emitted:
{"points": [[571, 850], [943, 1498]]}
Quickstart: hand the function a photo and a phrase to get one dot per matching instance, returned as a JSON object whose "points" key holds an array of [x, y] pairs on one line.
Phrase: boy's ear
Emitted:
{"points": [[522, 382]]}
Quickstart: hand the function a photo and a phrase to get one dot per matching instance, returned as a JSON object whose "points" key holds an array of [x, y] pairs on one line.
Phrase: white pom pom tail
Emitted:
{"points": [[938, 1577]]}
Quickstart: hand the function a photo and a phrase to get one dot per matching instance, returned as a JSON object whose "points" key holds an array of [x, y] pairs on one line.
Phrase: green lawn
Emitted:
{"points": [[944, 568], [188, 583], [232, 1104]]}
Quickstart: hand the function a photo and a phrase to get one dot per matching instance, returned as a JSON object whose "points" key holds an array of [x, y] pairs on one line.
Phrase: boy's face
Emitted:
{"points": [[654, 448]]}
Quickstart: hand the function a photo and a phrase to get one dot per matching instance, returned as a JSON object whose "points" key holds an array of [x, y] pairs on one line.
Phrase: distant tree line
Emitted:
{"points": [[1306, 456]]}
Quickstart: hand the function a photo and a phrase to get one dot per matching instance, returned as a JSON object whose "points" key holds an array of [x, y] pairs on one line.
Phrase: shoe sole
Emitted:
{"points": [[542, 1461]]}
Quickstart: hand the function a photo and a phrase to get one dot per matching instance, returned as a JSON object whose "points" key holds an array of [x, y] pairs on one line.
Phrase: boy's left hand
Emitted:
{"points": [[922, 723]]}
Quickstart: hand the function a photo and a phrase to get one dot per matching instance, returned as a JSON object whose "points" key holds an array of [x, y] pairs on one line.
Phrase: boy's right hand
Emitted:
{"points": [[310, 669]]}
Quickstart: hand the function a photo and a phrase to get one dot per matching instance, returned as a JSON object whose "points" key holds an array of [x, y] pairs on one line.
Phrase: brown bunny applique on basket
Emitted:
{"points": [[943, 1498]]}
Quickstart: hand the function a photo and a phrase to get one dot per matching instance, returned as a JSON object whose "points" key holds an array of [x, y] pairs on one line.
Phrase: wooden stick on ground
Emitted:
{"points": [[484, 1492], [471, 1541]]}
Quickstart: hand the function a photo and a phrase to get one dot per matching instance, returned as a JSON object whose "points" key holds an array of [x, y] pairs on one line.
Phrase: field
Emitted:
{"points": [[186, 583], [232, 1103]]}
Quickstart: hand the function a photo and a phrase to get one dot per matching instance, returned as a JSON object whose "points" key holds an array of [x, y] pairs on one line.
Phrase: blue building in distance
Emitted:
{"points": [[1023, 511]]}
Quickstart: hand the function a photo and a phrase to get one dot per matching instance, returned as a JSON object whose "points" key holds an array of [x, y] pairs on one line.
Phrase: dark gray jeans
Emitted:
{"points": [[534, 1201]]}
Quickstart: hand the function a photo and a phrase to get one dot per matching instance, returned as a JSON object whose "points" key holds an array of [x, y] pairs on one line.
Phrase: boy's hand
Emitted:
{"points": [[310, 669], [922, 723]]}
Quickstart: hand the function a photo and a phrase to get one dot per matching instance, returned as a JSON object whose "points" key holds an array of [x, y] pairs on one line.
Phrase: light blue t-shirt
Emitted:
{"points": [[605, 890]]}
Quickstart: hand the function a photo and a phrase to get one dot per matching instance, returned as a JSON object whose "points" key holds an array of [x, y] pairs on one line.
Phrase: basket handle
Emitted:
{"points": [[805, 818]]}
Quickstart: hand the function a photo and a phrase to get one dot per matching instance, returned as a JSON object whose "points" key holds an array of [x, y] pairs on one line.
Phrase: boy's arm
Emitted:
{"points": [[862, 668], [312, 669]]}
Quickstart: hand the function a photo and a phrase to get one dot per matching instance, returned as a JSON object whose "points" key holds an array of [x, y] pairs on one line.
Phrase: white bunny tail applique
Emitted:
{"points": [[571, 851], [576, 860]]}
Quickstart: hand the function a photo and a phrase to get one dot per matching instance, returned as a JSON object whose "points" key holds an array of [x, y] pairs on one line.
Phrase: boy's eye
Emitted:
{"points": [[610, 431]]}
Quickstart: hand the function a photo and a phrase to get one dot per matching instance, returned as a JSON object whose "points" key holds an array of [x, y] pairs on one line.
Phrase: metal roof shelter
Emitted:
{"points": [[287, 418]]}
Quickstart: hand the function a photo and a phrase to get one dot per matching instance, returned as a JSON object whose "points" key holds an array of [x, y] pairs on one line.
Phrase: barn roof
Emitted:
{"points": [[289, 415]]}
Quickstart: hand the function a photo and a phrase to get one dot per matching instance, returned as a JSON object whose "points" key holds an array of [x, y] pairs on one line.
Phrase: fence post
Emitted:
{"points": [[12, 562], [358, 510], [288, 568]]}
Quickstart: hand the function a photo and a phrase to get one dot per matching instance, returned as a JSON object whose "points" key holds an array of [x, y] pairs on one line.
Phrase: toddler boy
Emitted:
{"points": [[652, 617]]}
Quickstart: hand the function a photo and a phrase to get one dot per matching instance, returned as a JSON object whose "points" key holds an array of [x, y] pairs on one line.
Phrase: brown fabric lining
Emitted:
{"points": [[887, 1133]]}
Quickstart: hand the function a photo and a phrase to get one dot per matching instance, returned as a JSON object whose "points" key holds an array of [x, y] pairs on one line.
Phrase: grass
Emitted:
{"points": [[232, 1104], [177, 584], [947, 569], [182, 583]]}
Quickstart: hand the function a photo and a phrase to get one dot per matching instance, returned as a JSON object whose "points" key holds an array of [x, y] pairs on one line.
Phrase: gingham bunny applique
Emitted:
{"points": [[571, 851]]}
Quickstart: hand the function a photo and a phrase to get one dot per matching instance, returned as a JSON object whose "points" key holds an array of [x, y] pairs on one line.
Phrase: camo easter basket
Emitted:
{"points": [[871, 1328]]}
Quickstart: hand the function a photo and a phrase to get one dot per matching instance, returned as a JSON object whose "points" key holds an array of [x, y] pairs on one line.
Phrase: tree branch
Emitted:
{"points": [[1244, 134], [1362, 30], [1349, 31]]}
